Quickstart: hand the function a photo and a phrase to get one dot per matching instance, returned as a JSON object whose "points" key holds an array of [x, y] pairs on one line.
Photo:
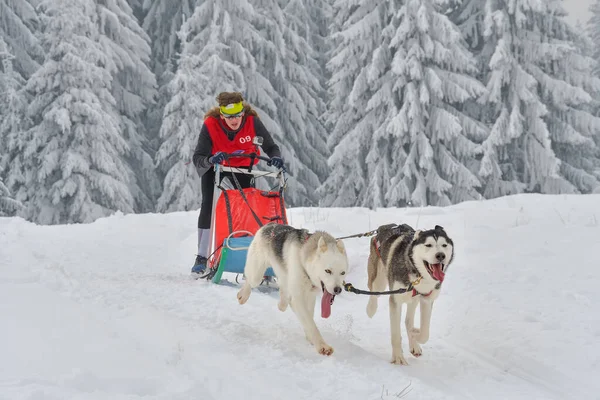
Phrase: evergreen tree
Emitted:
{"points": [[307, 78], [434, 71], [570, 89], [73, 156], [355, 32], [134, 89], [18, 27], [593, 49], [411, 139], [8, 205], [13, 104], [162, 21], [537, 103], [289, 63]]}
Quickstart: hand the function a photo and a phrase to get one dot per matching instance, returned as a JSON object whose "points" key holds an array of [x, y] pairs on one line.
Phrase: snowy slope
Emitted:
{"points": [[107, 311]]}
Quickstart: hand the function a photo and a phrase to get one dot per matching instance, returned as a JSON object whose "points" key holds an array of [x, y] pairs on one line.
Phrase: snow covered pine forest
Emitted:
{"points": [[374, 103]]}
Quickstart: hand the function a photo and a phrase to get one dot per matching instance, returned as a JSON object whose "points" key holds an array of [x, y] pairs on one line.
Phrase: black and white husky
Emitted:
{"points": [[305, 265], [399, 256]]}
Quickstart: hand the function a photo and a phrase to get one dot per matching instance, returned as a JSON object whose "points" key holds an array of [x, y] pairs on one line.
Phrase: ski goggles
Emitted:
{"points": [[239, 115]]}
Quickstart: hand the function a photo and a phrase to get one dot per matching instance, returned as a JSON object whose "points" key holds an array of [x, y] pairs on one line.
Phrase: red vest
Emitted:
{"points": [[241, 141]]}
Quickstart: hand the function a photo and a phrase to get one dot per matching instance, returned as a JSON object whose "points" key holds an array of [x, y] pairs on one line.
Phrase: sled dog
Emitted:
{"points": [[305, 265], [398, 256]]}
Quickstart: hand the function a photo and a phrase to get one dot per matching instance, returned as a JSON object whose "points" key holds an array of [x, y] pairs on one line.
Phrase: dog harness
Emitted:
{"points": [[414, 291]]}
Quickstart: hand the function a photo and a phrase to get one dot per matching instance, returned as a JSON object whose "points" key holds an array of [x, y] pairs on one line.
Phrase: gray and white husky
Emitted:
{"points": [[398, 256], [305, 265]]}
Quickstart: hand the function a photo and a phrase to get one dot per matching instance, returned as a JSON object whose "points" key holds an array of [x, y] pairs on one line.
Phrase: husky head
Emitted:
{"points": [[329, 268], [333, 265], [432, 252]]}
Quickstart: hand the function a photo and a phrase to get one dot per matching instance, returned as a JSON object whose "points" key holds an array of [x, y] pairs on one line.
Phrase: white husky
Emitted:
{"points": [[305, 265]]}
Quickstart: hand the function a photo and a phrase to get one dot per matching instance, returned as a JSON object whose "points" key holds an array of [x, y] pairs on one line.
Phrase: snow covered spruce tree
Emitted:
{"points": [[414, 142], [306, 74], [8, 205], [593, 30], [468, 15], [539, 89], [18, 25], [434, 79], [134, 88], [74, 154], [356, 33], [13, 120], [290, 64], [162, 21], [571, 91]]}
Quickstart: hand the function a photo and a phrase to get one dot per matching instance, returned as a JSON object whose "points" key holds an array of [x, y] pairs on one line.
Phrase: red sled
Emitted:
{"points": [[236, 216]]}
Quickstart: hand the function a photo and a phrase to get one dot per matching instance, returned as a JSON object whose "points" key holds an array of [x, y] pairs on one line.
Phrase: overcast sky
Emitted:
{"points": [[578, 10]]}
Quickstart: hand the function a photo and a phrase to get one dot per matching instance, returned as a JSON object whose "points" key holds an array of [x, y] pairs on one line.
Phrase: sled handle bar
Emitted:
{"points": [[251, 155]]}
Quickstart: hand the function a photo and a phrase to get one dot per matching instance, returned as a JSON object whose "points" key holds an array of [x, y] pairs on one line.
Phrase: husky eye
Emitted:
{"points": [[343, 273], [444, 245], [328, 271], [428, 245]]}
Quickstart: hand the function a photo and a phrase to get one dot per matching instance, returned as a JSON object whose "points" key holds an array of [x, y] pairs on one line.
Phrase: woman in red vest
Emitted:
{"points": [[231, 126]]}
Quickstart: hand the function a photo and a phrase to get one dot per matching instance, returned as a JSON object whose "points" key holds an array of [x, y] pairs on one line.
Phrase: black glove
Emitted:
{"points": [[218, 158], [276, 162]]}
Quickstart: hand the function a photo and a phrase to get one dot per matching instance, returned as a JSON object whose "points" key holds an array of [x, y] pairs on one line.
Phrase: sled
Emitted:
{"points": [[237, 213]]}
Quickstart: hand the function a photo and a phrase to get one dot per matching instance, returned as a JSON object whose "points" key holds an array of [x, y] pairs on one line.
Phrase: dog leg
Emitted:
{"points": [[395, 327], [423, 331], [378, 284], [302, 309], [283, 299], [415, 349], [310, 302], [254, 271]]}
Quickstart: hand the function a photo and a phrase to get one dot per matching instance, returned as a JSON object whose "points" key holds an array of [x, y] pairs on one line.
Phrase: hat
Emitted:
{"points": [[232, 109]]}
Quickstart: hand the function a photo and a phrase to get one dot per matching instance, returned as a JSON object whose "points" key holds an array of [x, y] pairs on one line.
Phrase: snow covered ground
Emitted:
{"points": [[107, 311]]}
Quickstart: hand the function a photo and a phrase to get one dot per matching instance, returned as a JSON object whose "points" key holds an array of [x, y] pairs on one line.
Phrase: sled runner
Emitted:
{"points": [[237, 214]]}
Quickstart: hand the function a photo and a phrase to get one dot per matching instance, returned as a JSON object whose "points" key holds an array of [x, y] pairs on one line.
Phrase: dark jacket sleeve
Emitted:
{"points": [[203, 149], [269, 145]]}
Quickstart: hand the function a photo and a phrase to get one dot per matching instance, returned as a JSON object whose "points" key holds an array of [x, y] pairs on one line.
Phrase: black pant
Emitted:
{"points": [[208, 189]]}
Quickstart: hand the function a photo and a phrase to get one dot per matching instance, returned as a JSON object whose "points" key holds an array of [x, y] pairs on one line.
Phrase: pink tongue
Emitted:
{"points": [[437, 273], [326, 304]]}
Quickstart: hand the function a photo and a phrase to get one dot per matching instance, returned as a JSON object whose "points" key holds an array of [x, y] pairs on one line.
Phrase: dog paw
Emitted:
{"points": [[244, 294], [399, 360], [371, 307], [325, 349], [415, 350]]}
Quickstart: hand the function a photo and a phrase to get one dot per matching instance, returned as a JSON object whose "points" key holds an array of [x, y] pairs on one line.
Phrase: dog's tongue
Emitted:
{"points": [[326, 304], [437, 273]]}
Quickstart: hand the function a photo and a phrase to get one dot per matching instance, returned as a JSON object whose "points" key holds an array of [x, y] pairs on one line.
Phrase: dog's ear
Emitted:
{"points": [[322, 245], [416, 235], [439, 228], [340, 246]]}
